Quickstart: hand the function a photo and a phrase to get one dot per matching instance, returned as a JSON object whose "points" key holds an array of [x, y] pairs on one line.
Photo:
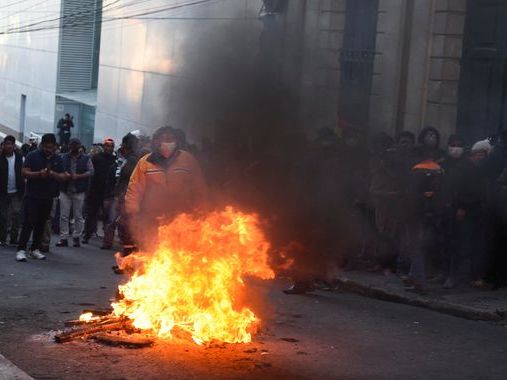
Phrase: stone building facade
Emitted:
{"points": [[393, 65]]}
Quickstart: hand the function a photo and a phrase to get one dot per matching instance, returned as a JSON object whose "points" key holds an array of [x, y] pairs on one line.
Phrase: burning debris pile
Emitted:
{"points": [[191, 285]]}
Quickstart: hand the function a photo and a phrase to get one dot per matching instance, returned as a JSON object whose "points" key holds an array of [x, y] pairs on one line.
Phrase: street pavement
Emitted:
{"points": [[327, 335]]}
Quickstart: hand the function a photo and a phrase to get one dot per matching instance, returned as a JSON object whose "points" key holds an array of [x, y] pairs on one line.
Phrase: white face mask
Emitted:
{"points": [[167, 149], [455, 151]]}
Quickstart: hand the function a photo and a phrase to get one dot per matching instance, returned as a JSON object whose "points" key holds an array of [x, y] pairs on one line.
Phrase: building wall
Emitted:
{"points": [[28, 66], [444, 65], [155, 72], [417, 69], [313, 34]]}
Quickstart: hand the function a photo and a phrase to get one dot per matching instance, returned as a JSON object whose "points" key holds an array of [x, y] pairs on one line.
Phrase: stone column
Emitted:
{"points": [[441, 106]]}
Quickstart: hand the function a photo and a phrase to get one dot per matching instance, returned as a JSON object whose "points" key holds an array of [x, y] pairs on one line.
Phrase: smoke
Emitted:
{"points": [[232, 100]]}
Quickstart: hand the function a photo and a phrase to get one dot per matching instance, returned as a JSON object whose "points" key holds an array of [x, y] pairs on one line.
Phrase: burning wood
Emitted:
{"points": [[110, 323], [133, 341]]}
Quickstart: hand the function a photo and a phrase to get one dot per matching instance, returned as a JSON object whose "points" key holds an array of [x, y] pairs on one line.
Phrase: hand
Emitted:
{"points": [[44, 173], [73, 176], [460, 214]]}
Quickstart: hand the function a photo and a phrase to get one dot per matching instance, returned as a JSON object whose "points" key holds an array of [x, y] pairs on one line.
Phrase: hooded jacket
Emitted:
{"points": [[160, 187]]}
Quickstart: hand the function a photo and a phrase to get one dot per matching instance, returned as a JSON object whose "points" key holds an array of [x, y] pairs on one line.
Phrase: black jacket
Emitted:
{"points": [[100, 185], [126, 171], [64, 126], [4, 174]]}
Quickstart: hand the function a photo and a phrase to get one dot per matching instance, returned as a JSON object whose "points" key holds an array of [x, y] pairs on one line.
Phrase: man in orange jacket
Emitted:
{"points": [[164, 183]]}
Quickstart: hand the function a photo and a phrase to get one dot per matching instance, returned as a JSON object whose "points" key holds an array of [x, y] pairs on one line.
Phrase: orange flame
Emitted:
{"points": [[193, 280], [86, 317]]}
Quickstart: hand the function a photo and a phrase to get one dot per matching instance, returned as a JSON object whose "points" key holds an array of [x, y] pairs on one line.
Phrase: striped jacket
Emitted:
{"points": [[165, 188]]}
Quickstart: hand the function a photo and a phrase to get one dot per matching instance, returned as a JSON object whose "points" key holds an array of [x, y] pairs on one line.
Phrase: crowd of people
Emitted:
{"points": [[48, 188], [437, 215], [418, 211]]}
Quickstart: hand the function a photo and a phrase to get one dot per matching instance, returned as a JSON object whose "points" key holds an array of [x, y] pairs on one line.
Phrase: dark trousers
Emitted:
{"points": [[36, 213], [94, 205], [423, 241], [125, 234], [10, 215], [64, 139]]}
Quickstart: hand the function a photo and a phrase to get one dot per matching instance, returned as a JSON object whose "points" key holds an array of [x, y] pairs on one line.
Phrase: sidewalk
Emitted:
{"points": [[465, 302], [9, 371]]}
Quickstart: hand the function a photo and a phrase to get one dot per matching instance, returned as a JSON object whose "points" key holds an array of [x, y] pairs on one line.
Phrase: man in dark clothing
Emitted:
{"points": [[429, 145], [383, 199], [472, 203], [424, 208], [43, 170], [400, 161], [493, 165], [64, 126], [12, 189], [129, 151], [101, 185], [78, 168], [492, 168], [320, 210], [457, 167], [498, 275]]}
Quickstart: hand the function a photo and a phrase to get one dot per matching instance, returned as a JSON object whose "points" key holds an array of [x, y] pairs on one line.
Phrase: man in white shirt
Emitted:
{"points": [[12, 188]]}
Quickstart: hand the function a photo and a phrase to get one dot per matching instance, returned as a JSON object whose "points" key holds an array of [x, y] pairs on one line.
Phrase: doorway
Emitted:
{"points": [[482, 104]]}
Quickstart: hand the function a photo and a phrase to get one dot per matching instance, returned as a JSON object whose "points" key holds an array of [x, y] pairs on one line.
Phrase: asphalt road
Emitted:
{"points": [[327, 335]]}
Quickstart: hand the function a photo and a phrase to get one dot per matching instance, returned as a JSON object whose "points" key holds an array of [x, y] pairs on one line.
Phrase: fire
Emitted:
{"points": [[193, 281], [86, 317]]}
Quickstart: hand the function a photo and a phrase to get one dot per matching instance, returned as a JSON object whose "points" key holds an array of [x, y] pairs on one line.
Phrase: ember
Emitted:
{"points": [[192, 284]]}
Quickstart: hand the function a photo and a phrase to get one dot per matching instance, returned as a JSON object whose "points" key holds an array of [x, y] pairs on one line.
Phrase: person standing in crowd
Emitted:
{"points": [[129, 151], [43, 170], [316, 210], [12, 189], [497, 276], [456, 166], [401, 160], [424, 214], [78, 168], [384, 195], [100, 186], [64, 129], [473, 197], [163, 184]]}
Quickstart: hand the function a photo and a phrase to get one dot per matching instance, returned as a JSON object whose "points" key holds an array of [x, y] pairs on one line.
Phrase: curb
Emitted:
{"points": [[420, 301], [9, 371]]}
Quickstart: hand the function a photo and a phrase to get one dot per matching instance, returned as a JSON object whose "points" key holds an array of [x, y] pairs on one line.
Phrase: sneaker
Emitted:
{"points": [[417, 289], [36, 254], [44, 249], [76, 244], [62, 243], [438, 279], [21, 255], [116, 269], [300, 288], [326, 285], [481, 284]]}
